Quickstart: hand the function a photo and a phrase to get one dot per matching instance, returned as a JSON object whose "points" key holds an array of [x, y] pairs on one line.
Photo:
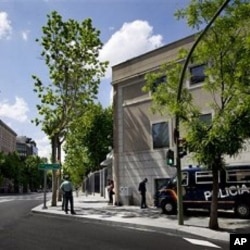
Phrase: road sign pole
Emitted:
{"points": [[45, 167], [44, 188]]}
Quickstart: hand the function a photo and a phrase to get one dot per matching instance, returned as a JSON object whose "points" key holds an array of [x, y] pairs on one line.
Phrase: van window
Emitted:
{"points": [[238, 176], [160, 183], [204, 177], [184, 179]]}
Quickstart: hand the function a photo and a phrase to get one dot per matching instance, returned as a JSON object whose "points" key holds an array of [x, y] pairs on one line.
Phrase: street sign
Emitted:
{"points": [[47, 166]]}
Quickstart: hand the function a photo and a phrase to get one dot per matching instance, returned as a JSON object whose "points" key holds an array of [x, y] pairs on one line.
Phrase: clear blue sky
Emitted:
{"points": [[128, 28]]}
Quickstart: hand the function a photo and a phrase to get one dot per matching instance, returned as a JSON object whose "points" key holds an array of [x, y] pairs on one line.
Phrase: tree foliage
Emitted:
{"points": [[32, 176], [225, 50], [71, 51], [21, 173], [89, 140]]}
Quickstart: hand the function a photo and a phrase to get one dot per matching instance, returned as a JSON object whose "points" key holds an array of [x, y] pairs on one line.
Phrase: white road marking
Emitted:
{"points": [[20, 198], [4, 200], [201, 242], [142, 229]]}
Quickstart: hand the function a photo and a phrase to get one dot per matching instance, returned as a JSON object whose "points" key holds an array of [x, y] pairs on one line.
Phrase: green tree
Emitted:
{"points": [[2, 160], [71, 51], [31, 174], [89, 140], [225, 50], [12, 168], [23, 172]]}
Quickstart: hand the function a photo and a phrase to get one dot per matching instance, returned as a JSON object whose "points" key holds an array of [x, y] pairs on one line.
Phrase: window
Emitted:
{"points": [[205, 177], [157, 82], [160, 134], [184, 179], [238, 176], [197, 74], [206, 118], [161, 183]]}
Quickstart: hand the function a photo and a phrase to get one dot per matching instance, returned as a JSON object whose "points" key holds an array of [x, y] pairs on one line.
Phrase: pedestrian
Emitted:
{"points": [[67, 189], [63, 197], [63, 200], [111, 191], [142, 189]]}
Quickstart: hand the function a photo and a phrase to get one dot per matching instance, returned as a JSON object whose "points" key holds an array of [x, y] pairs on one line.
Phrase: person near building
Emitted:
{"points": [[111, 191], [142, 189], [67, 189]]}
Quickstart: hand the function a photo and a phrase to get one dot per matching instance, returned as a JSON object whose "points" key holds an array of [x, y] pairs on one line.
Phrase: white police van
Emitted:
{"points": [[234, 190]]}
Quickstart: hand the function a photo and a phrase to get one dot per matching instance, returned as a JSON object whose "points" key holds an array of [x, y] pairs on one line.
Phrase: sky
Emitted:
{"points": [[128, 29]]}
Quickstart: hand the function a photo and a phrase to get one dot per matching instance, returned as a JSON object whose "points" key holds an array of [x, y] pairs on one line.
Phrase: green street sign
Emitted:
{"points": [[47, 166]]}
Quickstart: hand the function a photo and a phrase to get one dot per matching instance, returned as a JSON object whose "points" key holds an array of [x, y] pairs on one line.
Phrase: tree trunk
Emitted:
{"points": [[213, 222], [54, 184], [59, 148]]}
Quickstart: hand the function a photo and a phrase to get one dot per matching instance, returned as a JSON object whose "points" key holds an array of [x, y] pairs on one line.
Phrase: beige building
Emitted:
{"points": [[7, 139], [142, 138]]}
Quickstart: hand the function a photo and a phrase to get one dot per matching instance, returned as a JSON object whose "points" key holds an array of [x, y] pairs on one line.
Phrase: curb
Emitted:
{"points": [[178, 230]]}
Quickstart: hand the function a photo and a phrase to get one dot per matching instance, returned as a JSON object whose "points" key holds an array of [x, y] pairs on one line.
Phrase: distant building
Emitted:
{"points": [[7, 139], [25, 146]]}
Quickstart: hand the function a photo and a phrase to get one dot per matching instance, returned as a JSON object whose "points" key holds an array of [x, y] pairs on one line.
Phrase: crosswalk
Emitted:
{"points": [[10, 198], [203, 243]]}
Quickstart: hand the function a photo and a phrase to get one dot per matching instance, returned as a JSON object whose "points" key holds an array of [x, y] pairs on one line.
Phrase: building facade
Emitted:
{"points": [[25, 146], [142, 138], [7, 139]]}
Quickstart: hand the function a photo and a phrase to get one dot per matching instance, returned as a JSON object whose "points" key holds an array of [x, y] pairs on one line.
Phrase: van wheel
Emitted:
{"points": [[242, 210], [168, 207]]}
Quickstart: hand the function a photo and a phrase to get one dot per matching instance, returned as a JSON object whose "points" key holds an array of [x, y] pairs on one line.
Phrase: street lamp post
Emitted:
{"points": [[177, 119]]}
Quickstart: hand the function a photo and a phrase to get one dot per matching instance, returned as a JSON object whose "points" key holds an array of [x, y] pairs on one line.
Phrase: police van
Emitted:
{"points": [[197, 185]]}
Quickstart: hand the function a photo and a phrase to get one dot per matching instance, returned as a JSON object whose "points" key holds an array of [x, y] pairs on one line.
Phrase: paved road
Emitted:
{"points": [[13, 207], [20, 229]]}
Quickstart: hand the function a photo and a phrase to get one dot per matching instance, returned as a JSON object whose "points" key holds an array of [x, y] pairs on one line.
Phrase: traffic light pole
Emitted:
{"points": [[178, 168], [178, 160]]}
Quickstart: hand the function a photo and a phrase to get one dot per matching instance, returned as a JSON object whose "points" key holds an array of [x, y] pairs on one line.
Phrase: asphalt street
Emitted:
{"points": [[95, 207], [21, 229]]}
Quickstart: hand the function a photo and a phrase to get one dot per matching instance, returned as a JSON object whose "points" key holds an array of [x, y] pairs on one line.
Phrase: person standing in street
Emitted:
{"points": [[67, 189], [142, 189]]}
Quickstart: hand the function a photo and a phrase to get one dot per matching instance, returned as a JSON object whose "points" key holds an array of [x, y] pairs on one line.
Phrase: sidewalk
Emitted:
{"points": [[95, 207]]}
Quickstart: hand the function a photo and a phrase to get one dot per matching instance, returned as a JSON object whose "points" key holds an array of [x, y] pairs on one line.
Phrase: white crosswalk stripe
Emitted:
{"points": [[201, 242], [20, 198], [4, 200]]}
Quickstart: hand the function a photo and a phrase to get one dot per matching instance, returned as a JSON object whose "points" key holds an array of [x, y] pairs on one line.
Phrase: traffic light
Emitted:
{"points": [[182, 147], [170, 157]]}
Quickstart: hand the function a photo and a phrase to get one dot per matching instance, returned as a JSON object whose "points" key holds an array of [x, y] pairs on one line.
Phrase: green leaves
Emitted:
{"points": [[226, 51], [69, 50], [164, 93], [89, 139]]}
